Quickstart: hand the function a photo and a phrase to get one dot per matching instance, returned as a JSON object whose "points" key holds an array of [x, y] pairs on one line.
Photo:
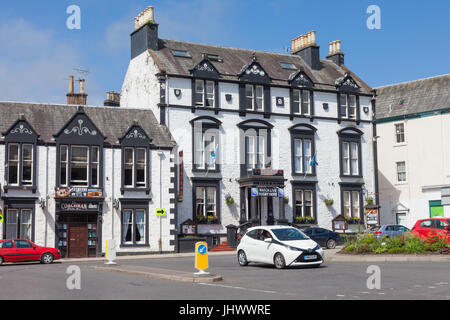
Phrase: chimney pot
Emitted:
{"points": [[305, 46], [336, 55], [146, 16], [71, 88]]}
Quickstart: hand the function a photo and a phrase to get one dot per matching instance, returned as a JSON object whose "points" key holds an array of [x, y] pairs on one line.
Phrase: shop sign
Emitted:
{"points": [[78, 206], [78, 192], [180, 177], [267, 192], [372, 216]]}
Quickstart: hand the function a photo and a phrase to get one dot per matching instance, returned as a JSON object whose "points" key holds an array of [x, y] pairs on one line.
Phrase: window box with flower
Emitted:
{"points": [[305, 220]]}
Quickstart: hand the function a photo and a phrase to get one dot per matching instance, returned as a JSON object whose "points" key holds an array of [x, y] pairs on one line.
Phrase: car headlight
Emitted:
{"points": [[293, 248], [317, 247]]}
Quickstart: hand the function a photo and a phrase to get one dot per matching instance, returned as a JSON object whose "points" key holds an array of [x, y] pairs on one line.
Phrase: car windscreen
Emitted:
{"points": [[289, 234], [375, 228], [448, 221]]}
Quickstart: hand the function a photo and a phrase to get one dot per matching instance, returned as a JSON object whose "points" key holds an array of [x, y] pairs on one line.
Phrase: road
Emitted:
{"points": [[334, 280]]}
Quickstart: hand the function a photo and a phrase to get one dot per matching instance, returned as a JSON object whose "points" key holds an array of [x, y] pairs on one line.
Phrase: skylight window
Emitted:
{"points": [[181, 53], [289, 66], [213, 57]]}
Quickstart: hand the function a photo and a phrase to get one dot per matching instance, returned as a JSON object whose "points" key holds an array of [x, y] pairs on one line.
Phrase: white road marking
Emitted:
{"points": [[236, 288]]}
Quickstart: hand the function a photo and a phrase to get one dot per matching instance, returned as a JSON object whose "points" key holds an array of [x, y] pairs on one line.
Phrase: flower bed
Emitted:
{"points": [[405, 244]]}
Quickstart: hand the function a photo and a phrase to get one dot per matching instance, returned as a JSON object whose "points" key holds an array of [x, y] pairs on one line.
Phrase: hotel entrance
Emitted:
{"points": [[260, 193]]}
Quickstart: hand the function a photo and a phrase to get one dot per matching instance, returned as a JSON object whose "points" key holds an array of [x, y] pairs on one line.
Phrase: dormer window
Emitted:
{"points": [[301, 102], [20, 155], [135, 160], [254, 97], [205, 93], [348, 106]]}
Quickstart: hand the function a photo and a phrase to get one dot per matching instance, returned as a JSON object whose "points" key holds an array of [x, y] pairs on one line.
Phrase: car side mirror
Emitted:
{"points": [[34, 247], [268, 240], [447, 228]]}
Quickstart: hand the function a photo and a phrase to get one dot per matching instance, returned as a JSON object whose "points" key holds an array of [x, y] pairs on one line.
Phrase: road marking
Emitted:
{"points": [[340, 295], [441, 283], [236, 288], [431, 287]]}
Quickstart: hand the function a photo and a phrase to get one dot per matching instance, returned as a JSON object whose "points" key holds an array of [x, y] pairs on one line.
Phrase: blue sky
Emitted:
{"points": [[38, 52]]}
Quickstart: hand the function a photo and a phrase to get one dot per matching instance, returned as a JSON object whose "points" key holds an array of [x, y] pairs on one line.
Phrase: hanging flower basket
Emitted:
{"points": [[329, 202], [229, 200]]}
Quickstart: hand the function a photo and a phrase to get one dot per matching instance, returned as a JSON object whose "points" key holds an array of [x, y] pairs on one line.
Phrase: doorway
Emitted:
{"points": [[402, 219], [78, 240]]}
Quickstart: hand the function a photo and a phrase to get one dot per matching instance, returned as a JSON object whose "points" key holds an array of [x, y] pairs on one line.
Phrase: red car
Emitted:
{"points": [[432, 227], [21, 250]]}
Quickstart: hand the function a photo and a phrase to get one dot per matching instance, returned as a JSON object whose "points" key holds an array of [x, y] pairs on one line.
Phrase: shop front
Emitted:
{"points": [[79, 222]]}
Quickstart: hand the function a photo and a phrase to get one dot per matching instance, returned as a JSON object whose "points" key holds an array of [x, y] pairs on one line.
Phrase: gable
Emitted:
{"points": [[347, 84], [254, 73], [80, 130], [135, 136], [21, 131], [301, 79], [205, 69]]}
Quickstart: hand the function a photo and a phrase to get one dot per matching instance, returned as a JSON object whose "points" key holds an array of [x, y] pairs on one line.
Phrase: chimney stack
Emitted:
{"points": [[336, 55], [306, 47], [112, 99], [145, 34], [77, 98]]}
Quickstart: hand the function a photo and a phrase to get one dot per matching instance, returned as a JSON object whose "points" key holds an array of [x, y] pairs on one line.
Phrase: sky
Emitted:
{"points": [[38, 52]]}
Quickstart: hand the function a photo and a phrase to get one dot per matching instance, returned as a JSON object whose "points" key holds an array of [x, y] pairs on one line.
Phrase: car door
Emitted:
{"points": [[25, 250], [268, 249], [251, 243], [320, 236], [439, 227], [425, 228], [7, 250]]}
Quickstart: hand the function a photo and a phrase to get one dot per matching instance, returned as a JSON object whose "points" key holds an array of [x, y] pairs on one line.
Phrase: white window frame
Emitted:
{"points": [[97, 164], [304, 205], [79, 182], [204, 192], [399, 173], [27, 182], [397, 134], [66, 182], [17, 183]]}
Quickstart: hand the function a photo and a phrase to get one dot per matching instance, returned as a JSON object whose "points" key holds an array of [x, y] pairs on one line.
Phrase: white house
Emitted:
{"points": [[266, 118], [413, 125], [74, 177]]}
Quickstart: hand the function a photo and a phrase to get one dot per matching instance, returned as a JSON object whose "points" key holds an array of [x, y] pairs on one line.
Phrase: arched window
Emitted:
{"points": [[303, 150], [206, 144], [350, 152]]}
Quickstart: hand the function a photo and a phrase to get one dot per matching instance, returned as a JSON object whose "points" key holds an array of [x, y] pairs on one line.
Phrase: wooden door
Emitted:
{"points": [[78, 241]]}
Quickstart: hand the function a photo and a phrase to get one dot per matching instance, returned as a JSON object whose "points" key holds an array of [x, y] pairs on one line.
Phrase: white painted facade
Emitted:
{"points": [[161, 194], [141, 88], [426, 152]]}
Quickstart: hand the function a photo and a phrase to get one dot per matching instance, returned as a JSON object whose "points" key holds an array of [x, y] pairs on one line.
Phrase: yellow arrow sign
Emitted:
{"points": [[160, 212], [1, 215], [201, 256]]}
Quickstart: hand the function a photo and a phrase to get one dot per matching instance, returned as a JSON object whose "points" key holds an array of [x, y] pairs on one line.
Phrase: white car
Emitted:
{"points": [[281, 246]]}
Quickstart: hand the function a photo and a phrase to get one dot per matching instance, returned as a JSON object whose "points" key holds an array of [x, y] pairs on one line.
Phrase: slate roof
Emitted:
{"points": [[413, 97], [49, 119], [233, 60]]}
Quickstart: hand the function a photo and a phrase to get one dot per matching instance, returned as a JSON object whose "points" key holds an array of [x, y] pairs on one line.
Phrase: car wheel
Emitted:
{"points": [[1, 260], [331, 244], [279, 261], [242, 259], [47, 258]]}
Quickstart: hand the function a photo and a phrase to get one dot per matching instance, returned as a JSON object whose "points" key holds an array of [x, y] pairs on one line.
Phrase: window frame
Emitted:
{"points": [[27, 204], [21, 183], [209, 127], [206, 183], [134, 169], [397, 134], [352, 189], [303, 132], [350, 136], [356, 107], [298, 104], [204, 93], [254, 98], [134, 207], [68, 178], [302, 186], [398, 172]]}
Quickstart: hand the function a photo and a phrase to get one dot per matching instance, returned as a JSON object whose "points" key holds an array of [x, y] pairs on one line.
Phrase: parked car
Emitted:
{"points": [[326, 238], [432, 227], [280, 246], [389, 231], [21, 250]]}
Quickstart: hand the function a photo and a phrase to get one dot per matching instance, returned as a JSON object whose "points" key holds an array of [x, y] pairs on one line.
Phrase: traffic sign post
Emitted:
{"points": [[201, 258], [110, 252]]}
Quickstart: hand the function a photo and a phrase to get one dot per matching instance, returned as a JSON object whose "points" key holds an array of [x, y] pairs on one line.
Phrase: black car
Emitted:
{"points": [[326, 238]]}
